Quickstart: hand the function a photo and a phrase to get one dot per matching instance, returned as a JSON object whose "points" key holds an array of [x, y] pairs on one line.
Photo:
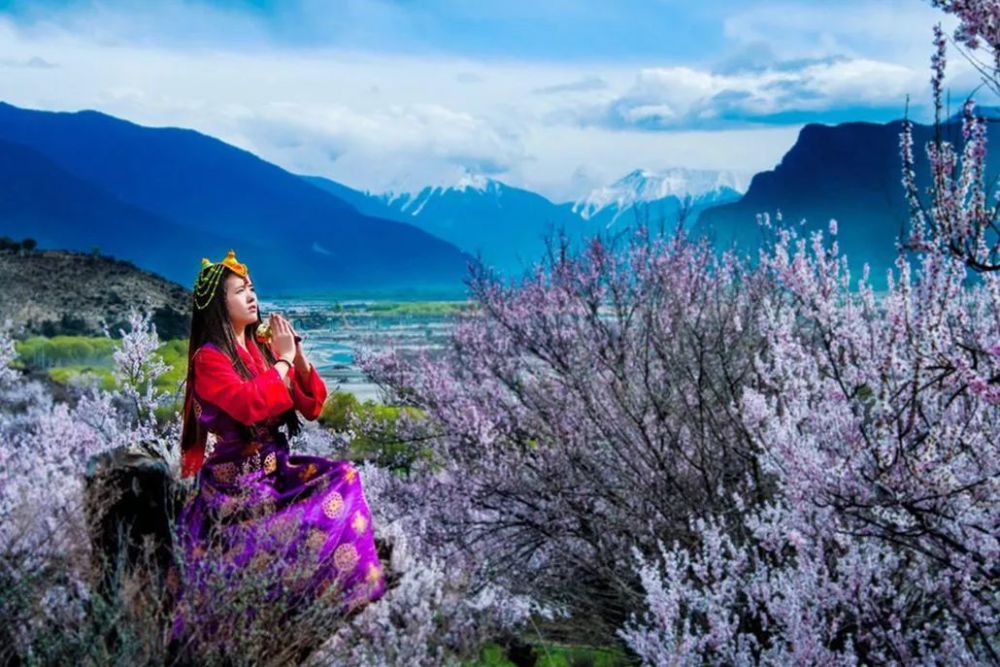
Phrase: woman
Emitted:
{"points": [[299, 521]]}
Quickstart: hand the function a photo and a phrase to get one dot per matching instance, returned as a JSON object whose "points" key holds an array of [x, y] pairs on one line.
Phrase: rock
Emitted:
{"points": [[131, 500]]}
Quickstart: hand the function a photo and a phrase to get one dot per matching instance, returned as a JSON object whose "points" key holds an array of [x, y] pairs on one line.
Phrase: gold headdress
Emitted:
{"points": [[211, 274]]}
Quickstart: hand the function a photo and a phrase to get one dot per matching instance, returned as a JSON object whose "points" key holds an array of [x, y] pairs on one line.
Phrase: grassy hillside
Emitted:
{"points": [[54, 292]]}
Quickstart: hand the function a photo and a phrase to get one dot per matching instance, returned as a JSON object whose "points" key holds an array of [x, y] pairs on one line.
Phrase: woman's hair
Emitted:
{"points": [[211, 324]]}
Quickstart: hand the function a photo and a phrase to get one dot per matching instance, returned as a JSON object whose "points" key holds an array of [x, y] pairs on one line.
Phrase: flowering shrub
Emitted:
{"points": [[961, 221], [583, 412], [45, 446], [805, 473], [879, 422], [979, 27]]}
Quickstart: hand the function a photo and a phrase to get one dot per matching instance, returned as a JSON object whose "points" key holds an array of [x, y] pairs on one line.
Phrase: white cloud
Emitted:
{"points": [[859, 82], [583, 84], [394, 147], [897, 32], [558, 151], [682, 97]]}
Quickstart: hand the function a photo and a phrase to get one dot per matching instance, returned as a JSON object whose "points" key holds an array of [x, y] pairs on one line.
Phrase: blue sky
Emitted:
{"points": [[559, 29], [559, 97]]}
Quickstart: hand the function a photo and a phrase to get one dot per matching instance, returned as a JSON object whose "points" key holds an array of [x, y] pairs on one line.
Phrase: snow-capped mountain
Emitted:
{"points": [[413, 203], [662, 193], [506, 225]]}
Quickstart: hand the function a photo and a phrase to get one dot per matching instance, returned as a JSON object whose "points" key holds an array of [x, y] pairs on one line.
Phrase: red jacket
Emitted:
{"points": [[249, 401]]}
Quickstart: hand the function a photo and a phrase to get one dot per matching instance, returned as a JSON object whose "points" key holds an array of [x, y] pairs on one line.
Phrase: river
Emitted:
{"points": [[333, 331]]}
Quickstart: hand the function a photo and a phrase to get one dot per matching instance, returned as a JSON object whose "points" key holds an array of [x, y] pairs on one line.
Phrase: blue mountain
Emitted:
{"points": [[199, 196], [40, 200], [848, 172], [506, 227]]}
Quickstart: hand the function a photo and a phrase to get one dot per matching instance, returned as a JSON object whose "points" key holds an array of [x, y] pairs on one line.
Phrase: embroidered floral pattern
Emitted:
{"points": [[333, 506], [316, 540], [308, 472], [359, 523], [345, 557], [224, 473]]}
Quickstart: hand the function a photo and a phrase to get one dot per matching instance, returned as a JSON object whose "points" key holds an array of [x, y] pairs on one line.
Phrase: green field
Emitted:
{"points": [[66, 358], [407, 308]]}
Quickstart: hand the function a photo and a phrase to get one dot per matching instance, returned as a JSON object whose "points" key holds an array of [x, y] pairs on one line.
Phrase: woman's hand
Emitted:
{"points": [[282, 338], [302, 365]]}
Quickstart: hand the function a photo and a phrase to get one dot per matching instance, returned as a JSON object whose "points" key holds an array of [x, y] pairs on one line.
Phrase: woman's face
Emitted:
{"points": [[241, 301]]}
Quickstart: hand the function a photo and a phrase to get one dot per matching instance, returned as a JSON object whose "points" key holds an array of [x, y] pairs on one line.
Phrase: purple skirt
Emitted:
{"points": [[298, 524]]}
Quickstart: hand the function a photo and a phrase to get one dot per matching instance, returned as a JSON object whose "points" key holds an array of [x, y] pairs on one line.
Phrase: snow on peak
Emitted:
{"points": [[643, 185], [468, 181], [414, 201], [473, 182]]}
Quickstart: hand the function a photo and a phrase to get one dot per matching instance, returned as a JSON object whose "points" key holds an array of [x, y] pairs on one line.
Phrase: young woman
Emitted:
{"points": [[302, 520]]}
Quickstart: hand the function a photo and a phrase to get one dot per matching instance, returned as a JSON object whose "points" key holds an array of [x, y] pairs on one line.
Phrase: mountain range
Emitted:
{"points": [[165, 197], [505, 226], [508, 227], [654, 197]]}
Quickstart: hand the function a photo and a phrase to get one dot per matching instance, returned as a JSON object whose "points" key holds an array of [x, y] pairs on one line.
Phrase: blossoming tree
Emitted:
{"points": [[804, 472]]}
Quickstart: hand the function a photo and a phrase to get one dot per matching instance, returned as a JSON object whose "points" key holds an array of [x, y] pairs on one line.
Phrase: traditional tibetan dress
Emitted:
{"points": [[300, 521]]}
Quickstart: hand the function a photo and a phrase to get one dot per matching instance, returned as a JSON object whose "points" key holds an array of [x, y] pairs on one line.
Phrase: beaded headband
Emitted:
{"points": [[211, 274]]}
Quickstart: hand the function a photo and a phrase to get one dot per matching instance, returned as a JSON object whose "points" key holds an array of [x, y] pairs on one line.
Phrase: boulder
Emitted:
{"points": [[131, 500]]}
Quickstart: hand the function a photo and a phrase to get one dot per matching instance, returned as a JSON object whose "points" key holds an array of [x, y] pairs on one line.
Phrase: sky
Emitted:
{"points": [[557, 96]]}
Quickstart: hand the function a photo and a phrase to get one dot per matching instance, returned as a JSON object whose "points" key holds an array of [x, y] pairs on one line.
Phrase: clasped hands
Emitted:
{"points": [[284, 345]]}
